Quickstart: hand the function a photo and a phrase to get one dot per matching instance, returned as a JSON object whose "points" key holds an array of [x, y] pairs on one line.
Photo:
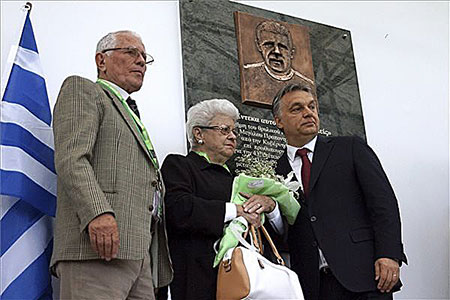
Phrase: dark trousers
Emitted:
{"points": [[162, 293], [331, 289]]}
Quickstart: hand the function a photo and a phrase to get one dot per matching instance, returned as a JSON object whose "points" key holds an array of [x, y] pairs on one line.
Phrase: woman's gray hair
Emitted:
{"points": [[203, 112], [110, 40]]}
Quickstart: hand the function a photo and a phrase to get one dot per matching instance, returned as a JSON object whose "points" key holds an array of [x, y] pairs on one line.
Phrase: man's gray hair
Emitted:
{"points": [[274, 27], [110, 40], [276, 109], [203, 112]]}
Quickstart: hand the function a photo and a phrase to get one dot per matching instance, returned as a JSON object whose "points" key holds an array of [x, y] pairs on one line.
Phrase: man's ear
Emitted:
{"points": [[100, 61], [258, 46], [279, 123]]}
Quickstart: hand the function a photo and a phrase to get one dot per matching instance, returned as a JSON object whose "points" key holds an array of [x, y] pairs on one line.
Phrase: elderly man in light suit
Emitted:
{"points": [[110, 239]]}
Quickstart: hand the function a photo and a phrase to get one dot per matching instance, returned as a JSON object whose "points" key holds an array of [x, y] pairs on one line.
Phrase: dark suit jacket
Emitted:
{"points": [[351, 214], [196, 193]]}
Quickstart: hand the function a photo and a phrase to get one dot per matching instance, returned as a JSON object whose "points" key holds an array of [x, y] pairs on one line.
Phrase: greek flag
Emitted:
{"points": [[28, 179]]}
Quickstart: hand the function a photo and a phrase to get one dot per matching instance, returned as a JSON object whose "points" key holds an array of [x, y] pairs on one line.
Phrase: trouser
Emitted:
{"points": [[100, 279], [331, 289]]}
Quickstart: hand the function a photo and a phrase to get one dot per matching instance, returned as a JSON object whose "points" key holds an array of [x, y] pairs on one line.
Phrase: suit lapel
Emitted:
{"points": [[128, 119], [321, 153], [284, 167]]}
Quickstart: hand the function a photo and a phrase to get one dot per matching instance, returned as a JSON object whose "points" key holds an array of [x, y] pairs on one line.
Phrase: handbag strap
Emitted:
{"points": [[272, 245], [235, 230], [256, 238], [256, 244]]}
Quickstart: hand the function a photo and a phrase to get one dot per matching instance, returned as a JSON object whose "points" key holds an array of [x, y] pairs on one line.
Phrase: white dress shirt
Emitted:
{"points": [[121, 91], [296, 164]]}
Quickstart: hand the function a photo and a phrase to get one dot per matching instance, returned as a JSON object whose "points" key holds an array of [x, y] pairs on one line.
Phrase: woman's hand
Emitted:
{"points": [[258, 203], [252, 218]]}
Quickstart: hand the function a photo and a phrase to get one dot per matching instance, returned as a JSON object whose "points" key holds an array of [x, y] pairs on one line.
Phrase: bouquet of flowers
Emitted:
{"points": [[259, 178]]}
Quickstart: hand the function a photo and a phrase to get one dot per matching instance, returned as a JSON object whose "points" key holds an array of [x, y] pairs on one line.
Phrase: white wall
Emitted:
{"points": [[402, 58], [67, 33]]}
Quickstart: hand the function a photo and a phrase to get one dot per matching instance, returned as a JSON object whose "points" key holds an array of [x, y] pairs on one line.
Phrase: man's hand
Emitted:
{"points": [[104, 236], [257, 203], [387, 272]]}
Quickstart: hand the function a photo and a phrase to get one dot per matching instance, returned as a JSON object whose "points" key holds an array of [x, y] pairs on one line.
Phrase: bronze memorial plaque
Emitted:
{"points": [[222, 59], [271, 55]]}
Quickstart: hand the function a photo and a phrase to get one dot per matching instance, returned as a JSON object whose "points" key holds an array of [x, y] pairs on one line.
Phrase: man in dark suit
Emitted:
{"points": [[346, 241]]}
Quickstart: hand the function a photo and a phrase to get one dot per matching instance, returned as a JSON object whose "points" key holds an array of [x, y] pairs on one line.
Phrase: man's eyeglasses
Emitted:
{"points": [[224, 129], [134, 52]]}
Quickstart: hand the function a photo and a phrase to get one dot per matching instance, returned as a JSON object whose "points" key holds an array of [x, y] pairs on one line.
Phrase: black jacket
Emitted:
{"points": [[196, 193], [351, 214]]}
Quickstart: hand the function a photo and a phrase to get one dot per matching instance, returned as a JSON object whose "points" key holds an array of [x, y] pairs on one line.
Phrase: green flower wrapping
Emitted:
{"points": [[281, 192]]}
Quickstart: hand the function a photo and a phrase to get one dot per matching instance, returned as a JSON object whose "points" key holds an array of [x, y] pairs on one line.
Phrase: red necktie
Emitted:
{"points": [[306, 169]]}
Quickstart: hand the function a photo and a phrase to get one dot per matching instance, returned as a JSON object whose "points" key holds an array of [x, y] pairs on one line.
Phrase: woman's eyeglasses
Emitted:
{"points": [[224, 129]]}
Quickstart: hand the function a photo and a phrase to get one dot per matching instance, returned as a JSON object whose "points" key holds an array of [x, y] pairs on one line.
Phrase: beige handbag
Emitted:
{"points": [[245, 274]]}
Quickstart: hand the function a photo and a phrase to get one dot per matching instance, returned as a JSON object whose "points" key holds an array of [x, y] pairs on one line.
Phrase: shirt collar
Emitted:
{"points": [[121, 91], [205, 155], [292, 151]]}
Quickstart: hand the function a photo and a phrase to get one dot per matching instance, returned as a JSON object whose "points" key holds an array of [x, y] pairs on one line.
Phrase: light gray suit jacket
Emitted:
{"points": [[103, 166]]}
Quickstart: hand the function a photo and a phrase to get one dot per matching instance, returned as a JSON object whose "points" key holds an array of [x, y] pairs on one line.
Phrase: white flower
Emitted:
{"points": [[291, 184]]}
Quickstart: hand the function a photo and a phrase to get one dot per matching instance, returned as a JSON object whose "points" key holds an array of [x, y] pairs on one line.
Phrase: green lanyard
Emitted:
{"points": [[140, 126]]}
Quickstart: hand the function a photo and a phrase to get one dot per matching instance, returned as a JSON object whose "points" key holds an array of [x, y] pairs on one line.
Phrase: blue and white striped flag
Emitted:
{"points": [[28, 178]]}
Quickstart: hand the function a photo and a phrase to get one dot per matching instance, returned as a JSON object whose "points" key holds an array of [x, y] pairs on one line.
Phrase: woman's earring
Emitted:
{"points": [[200, 142]]}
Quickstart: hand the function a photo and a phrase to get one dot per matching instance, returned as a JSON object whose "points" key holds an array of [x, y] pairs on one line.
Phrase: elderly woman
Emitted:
{"points": [[198, 190]]}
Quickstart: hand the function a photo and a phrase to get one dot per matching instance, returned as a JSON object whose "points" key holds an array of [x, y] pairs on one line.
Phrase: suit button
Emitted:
{"points": [[150, 207], [313, 218], [154, 183], [314, 244]]}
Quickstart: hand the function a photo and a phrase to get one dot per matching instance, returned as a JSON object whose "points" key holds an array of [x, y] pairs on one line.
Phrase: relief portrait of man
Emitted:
{"points": [[269, 58]]}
